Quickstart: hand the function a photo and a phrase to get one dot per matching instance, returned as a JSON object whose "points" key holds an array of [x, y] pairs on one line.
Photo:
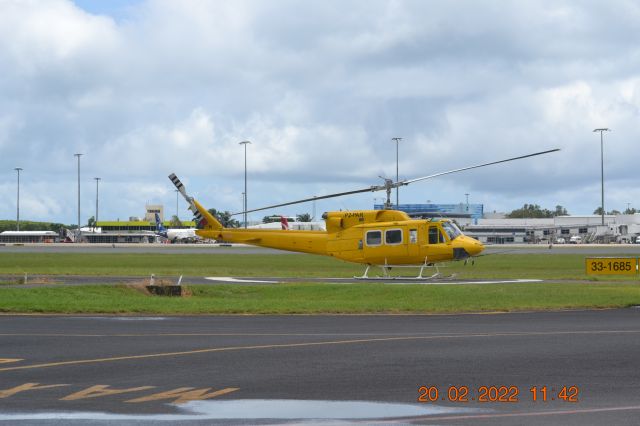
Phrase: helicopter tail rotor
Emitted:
{"points": [[202, 216]]}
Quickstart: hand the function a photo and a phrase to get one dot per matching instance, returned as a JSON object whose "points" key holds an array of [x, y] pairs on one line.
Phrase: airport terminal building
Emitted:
{"points": [[494, 228], [474, 212], [22, 237], [489, 228], [132, 231], [559, 229]]}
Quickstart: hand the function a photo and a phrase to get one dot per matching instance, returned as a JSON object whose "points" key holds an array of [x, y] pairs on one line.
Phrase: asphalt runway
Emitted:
{"points": [[361, 369]]}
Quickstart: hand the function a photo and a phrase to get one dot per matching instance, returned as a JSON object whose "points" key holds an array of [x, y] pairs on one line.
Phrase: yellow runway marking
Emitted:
{"points": [[311, 344], [182, 395], [26, 387], [8, 360], [98, 391]]}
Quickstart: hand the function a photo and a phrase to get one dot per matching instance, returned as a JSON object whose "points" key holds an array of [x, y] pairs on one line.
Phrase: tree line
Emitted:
{"points": [[27, 225], [535, 211], [226, 219]]}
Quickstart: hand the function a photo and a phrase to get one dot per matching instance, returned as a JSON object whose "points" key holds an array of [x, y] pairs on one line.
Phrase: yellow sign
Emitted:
{"points": [[611, 265]]}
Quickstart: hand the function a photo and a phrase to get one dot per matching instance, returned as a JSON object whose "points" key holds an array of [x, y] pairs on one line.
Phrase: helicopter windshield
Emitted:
{"points": [[451, 229]]}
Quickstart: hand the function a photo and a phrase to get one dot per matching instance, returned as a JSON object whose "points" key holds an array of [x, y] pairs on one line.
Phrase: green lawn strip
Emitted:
{"points": [[316, 298], [512, 266], [135, 264]]}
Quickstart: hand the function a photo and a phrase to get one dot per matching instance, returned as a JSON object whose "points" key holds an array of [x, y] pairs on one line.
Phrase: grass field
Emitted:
{"points": [[540, 266], [572, 289], [322, 298]]}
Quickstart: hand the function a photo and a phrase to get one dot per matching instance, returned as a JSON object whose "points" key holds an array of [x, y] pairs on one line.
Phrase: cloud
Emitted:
{"points": [[319, 89]]}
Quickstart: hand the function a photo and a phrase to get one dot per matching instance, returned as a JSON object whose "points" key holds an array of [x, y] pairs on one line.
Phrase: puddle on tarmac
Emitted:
{"points": [[313, 409], [254, 409]]}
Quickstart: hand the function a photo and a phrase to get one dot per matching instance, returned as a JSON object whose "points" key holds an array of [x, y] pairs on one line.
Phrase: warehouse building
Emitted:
{"points": [[466, 212]]}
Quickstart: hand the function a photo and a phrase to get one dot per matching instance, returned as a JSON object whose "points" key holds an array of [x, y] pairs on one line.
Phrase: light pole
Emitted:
{"points": [[243, 204], [467, 195], [78, 234], [17, 169], [177, 204], [397, 140], [244, 207], [602, 130], [96, 219]]}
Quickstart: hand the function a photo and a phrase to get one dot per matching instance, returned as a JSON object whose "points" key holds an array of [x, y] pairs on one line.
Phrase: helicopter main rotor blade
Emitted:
{"points": [[321, 197], [389, 184], [407, 182]]}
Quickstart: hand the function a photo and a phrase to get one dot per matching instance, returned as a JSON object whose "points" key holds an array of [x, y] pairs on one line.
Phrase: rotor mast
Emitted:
{"points": [[388, 186]]}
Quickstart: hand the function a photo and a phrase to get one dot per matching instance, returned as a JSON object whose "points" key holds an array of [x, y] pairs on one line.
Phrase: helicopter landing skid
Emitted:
{"points": [[387, 268]]}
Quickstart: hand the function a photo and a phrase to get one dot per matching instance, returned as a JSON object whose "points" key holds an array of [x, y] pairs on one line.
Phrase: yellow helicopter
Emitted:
{"points": [[386, 238]]}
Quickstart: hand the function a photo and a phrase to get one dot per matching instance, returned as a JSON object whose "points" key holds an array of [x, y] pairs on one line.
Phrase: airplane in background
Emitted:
{"points": [[176, 235]]}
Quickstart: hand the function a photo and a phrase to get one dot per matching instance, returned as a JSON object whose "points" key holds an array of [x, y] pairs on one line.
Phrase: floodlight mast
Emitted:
{"points": [[244, 206], [97, 179], [18, 169], [78, 233], [602, 130]]}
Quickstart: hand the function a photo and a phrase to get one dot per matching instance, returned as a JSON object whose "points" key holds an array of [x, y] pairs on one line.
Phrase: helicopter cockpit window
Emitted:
{"points": [[393, 236], [451, 229], [374, 238]]}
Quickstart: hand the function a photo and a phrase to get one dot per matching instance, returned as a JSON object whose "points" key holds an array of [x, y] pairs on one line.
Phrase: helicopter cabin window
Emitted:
{"points": [[435, 235], [374, 238], [393, 236]]}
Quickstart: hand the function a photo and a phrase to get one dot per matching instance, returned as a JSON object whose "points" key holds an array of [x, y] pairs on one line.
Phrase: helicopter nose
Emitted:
{"points": [[479, 247], [474, 246]]}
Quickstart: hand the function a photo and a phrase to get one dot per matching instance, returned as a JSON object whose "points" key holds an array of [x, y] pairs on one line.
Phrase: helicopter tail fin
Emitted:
{"points": [[204, 219], [284, 223]]}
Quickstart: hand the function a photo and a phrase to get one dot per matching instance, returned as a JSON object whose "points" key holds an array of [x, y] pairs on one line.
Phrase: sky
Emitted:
{"points": [[147, 88]]}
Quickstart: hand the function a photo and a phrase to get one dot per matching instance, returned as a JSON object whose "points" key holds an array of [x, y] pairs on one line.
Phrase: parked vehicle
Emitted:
{"points": [[560, 240], [576, 239]]}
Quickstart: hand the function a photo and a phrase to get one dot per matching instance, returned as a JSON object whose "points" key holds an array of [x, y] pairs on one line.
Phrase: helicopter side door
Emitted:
{"points": [[439, 246], [415, 235]]}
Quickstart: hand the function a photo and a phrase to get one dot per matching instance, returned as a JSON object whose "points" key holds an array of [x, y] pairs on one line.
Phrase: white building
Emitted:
{"points": [[29, 237], [620, 228]]}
